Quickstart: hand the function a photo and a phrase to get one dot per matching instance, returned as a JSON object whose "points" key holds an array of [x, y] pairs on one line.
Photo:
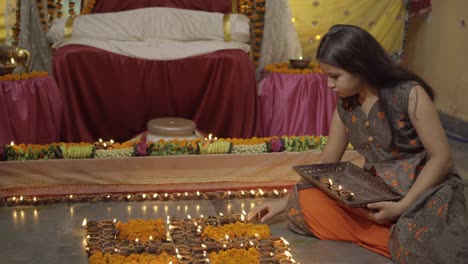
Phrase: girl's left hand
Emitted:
{"points": [[385, 212]]}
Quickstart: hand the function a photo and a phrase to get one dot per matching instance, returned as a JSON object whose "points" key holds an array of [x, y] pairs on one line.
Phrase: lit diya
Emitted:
{"points": [[347, 194], [326, 181], [336, 187]]}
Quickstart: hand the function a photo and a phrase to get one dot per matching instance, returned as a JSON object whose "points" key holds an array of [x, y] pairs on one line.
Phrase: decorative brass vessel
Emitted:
{"points": [[11, 57]]}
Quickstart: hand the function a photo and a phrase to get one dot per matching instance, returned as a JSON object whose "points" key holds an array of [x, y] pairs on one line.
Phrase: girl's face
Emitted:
{"points": [[342, 82]]}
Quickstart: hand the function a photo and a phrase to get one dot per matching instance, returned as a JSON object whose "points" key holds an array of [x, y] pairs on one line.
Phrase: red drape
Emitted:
{"points": [[30, 111], [107, 95], [420, 6], [222, 6], [295, 104]]}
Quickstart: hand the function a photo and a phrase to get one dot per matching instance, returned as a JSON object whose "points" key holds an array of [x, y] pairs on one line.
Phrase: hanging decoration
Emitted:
{"points": [[59, 7], [71, 8], [16, 27], [255, 11], [88, 7]]}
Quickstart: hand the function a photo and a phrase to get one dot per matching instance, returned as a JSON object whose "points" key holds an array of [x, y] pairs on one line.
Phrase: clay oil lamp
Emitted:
{"points": [[106, 197], [347, 195], [274, 194], [141, 196], [241, 194], [326, 181], [224, 219], [336, 187]]}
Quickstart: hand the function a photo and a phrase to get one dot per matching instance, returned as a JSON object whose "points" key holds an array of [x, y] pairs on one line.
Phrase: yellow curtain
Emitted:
{"points": [[384, 19], [2, 20]]}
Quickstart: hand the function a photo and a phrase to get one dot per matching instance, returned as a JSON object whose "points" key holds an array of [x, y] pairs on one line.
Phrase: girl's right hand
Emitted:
{"points": [[268, 209]]}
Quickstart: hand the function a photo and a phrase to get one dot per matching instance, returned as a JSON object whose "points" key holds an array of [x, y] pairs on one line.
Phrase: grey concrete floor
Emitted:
{"points": [[53, 233]]}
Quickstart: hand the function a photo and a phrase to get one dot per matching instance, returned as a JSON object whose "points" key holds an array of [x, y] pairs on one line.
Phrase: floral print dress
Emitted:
{"points": [[433, 229]]}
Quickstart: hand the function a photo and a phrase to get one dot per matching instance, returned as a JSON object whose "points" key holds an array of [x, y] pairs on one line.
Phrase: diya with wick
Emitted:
{"points": [[336, 187], [347, 195]]}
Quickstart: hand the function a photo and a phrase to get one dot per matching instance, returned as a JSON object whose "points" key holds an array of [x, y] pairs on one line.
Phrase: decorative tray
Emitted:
{"points": [[347, 183]]}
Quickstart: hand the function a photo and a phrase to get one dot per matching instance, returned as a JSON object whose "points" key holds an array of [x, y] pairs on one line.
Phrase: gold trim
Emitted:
{"points": [[227, 27], [68, 30], [234, 6]]}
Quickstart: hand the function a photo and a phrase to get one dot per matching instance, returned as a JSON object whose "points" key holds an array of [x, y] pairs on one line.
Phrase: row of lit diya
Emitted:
{"points": [[187, 240], [177, 196], [346, 194]]}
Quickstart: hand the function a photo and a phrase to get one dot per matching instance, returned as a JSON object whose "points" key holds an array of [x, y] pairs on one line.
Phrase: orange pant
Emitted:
{"points": [[329, 220]]}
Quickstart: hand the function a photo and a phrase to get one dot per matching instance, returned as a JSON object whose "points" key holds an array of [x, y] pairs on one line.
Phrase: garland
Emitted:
{"points": [[59, 7], [255, 11], [23, 76], [163, 258], [16, 27], [23, 152], [88, 7], [285, 68], [71, 8]]}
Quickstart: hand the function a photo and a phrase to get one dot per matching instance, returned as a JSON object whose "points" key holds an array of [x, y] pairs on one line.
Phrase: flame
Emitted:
{"points": [[84, 222], [261, 192]]}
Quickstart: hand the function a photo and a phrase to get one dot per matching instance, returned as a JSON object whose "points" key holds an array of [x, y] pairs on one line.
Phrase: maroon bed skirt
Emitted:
{"points": [[111, 96]]}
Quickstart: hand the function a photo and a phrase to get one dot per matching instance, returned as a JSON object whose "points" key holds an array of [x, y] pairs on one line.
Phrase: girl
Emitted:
{"points": [[387, 114]]}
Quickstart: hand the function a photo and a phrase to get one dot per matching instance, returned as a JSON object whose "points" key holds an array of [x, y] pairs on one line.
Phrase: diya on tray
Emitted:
{"points": [[347, 183]]}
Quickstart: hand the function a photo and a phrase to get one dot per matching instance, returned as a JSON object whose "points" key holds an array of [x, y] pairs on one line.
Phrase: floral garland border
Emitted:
{"points": [[255, 11], [109, 149], [285, 68]]}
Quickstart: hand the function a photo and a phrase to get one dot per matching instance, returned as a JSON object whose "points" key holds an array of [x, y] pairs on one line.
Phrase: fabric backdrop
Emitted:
{"points": [[384, 19]]}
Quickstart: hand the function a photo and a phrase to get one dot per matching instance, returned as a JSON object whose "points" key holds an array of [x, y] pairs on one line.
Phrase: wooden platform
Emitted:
{"points": [[169, 173]]}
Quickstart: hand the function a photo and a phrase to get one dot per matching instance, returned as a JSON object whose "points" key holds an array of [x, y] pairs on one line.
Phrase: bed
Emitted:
{"points": [[113, 96]]}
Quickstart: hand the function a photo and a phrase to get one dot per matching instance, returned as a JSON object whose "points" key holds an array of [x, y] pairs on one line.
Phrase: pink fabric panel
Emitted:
{"points": [[30, 111], [112, 96], [295, 104], [222, 6]]}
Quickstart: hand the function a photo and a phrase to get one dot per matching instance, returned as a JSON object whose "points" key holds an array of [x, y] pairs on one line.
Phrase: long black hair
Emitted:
{"points": [[359, 53]]}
